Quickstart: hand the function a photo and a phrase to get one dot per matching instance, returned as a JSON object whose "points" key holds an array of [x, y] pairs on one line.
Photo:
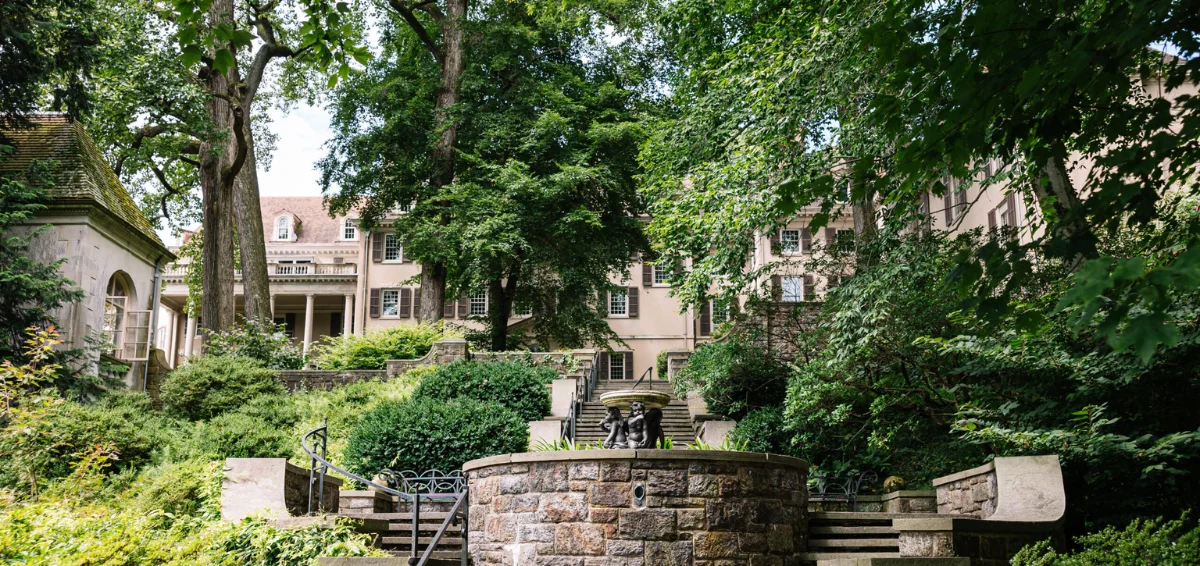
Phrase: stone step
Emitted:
{"points": [[423, 527], [852, 531], [431, 516], [853, 542], [815, 556], [445, 559], [421, 541], [867, 516]]}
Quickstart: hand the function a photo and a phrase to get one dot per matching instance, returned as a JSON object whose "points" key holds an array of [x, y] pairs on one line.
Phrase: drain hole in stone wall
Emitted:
{"points": [[639, 495]]}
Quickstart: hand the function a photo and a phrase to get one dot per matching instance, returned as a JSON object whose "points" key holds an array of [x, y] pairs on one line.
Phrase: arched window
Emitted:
{"points": [[283, 228], [350, 229], [126, 330]]}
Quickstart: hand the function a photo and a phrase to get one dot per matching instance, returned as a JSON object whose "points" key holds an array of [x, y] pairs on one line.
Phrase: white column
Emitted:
{"points": [[348, 316], [190, 337], [309, 301], [272, 306]]}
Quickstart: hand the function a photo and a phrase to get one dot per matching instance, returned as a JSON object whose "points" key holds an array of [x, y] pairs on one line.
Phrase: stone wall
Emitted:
{"points": [[971, 492], [326, 379], [581, 508], [270, 487]]}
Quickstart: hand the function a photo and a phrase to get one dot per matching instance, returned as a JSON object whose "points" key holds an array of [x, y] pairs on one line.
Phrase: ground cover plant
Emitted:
{"points": [[114, 481]]}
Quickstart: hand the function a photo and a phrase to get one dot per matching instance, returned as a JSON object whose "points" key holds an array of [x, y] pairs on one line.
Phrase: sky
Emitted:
{"points": [[302, 131]]}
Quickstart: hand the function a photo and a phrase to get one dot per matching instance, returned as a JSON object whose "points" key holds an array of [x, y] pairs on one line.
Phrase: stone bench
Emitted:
{"points": [[991, 512]]}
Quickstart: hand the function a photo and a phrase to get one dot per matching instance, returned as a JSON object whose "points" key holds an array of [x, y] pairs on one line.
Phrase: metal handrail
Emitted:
{"points": [[568, 426], [451, 518], [319, 461]]}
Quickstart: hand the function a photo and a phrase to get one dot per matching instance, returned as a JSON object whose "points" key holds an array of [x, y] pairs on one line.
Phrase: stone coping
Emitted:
{"points": [[988, 467], [594, 455], [907, 493], [971, 524]]}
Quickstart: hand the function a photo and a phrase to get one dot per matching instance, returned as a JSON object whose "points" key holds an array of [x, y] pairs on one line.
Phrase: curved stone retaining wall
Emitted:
{"points": [[580, 508]]}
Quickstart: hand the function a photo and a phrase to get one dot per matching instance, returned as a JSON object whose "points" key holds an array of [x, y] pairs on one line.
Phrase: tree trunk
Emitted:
{"points": [[256, 285], [217, 306], [433, 292], [1075, 238], [865, 227], [433, 286], [500, 300]]}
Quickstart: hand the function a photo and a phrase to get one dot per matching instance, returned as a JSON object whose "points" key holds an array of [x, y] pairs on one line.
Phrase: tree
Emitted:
{"points": [[542, 209], [794, 99], [49, 49], [194, 127]]}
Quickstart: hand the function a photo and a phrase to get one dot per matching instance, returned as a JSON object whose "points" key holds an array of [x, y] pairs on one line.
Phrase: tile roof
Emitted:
{"points": [[316, 227], [82, 173]]}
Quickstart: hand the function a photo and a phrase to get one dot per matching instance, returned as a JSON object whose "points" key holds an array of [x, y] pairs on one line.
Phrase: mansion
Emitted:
{"points": [[328, 278]]}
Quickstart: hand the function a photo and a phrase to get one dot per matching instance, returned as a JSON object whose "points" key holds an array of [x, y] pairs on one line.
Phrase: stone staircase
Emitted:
{"points": [[841, 535], [677, 423], [396, 539]]}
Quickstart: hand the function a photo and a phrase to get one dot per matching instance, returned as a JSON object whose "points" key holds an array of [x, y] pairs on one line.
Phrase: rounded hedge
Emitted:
{"points": [[211, 385], [374, 349], [428, 434], [518, 386]]}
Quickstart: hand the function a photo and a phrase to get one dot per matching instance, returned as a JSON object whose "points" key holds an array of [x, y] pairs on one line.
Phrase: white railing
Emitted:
{"points": [[313, 269], [283, 269]]}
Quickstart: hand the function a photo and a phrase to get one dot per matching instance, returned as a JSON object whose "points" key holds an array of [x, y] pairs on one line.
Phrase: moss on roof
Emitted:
{"points": [[82, 172]]}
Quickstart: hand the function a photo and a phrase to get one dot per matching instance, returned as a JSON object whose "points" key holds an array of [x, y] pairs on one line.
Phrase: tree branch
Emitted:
{"points": [[406, 12], [138, 138], [170, 190], [243, 145]]}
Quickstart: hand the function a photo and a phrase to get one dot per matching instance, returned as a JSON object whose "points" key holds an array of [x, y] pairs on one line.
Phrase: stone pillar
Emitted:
{"points": [[309, 302], [348, 316], [450, 349], [190, 337], [562, 391], [272, 306]]}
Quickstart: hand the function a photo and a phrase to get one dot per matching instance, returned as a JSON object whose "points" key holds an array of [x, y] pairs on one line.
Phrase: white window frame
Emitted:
{"points": [[716, 307], [843, 236], [522, 310], [390, 242], [383, 303], [478, 299], [791, 288], [350, 229], [784, 242], [136, 336], [616, 366], [404, 208], [284, 228], [1002, 214], [662, 277], [618, 301], [113, 324]]}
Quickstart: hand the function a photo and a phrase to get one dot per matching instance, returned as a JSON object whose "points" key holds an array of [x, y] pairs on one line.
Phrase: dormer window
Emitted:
{"points": [[283, 228], [350, 229]]}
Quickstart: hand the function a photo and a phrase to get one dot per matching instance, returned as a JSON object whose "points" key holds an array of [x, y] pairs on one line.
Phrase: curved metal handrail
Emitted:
{"points": [[326, 466]]}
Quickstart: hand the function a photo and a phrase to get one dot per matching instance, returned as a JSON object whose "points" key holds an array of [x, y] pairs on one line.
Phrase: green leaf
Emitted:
{"points": [[223, 60], [191, 54]]}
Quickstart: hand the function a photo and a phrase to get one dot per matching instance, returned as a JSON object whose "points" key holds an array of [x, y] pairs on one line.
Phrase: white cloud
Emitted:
{"points": [[302, 132]]}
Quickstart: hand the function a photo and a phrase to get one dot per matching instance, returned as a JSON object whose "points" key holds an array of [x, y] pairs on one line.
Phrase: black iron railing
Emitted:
{"points": [[649, 372], [825, 488], [414, 488], [570, 424]]}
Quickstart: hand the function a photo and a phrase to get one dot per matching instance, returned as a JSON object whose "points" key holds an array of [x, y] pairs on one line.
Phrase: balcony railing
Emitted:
{"points": [[285, 270]]}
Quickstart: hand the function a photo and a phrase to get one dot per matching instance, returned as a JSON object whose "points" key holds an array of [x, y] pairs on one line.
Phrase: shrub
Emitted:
{"points": [[1169, 543], [424, 434], [763, 430], [48, 447], [374, 349], [734, 378], [181, 488], [263, 341], [211, 385], [239, 435], [515, 385]]}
